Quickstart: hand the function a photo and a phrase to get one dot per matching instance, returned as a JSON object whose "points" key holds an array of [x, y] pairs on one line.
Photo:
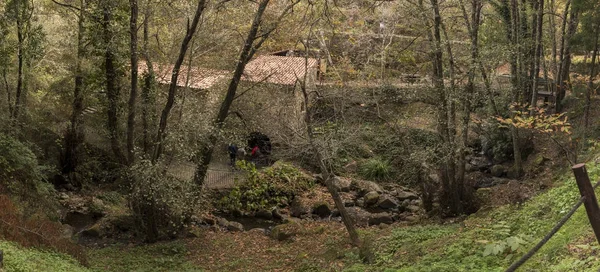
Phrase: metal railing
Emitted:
{"points": [[588, 199]]}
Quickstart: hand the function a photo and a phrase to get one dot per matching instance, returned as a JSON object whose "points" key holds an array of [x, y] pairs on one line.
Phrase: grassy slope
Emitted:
{"points": [[460, 247], [17, 259], [168, 256]]}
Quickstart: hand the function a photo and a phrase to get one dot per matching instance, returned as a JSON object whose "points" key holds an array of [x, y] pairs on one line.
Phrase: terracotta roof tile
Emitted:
{"points": [[278, 69], [200, 78]]}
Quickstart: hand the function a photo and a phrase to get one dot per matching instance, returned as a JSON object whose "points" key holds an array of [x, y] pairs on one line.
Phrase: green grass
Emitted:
{"points": [[461, 247], [168, 256], [17, 258]]}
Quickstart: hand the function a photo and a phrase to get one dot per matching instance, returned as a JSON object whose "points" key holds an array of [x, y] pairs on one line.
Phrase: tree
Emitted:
{"points": [[112, 87], [257, 35], [74, 136], [148, 78], [29, 39], [133, 28], [190, 31]]}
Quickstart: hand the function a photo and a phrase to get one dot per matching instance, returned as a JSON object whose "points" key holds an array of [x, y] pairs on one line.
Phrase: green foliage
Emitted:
{"points": [[19, 259], [19, 169], [492, 241], [162, 205], [375, 169], [169, 256], [263, 190]]}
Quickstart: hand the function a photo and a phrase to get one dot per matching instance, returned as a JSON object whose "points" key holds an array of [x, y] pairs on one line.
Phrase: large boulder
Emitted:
{"points": [[286, 231], [235, 226], [371, 198], [402, 195], [386, 202], [380, 218], [264, 214], [342, 184], [359, 216], [230, 225], [498, 170], [365, 186], [321, 209]]}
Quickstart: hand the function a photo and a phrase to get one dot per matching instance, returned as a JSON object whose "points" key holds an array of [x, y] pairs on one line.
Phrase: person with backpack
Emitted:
{"points": [[233, 150]]}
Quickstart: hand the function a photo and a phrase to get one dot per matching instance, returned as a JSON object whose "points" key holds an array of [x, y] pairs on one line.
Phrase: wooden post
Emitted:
{"points": [[590, 202]]}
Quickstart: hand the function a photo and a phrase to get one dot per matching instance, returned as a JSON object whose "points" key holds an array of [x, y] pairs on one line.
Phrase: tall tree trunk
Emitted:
{"points": [[473, 29], [112, 88], [590, 87], [162, 127], [515, 56], [148, 80], [538, 54], [327, 175], [252, 43], [186, 89], [75, 135], [134, 80], [8, 93], [565, 64], [552, 25], [20, 57]]}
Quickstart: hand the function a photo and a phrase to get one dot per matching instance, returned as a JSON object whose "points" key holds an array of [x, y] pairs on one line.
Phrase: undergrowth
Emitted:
{"points": [[264, 190], [19, 259], [491, 241]]}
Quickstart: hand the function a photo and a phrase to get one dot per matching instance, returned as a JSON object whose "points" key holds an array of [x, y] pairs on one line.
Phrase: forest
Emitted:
{"points": [[299, 135]]}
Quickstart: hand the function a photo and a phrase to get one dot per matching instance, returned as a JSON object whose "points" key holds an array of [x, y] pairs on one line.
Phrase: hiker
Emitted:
{"points": [[255, 153], [233, 149]]}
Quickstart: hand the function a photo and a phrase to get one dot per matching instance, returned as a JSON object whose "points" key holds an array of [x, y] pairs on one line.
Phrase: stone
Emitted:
{"points": [[264, 214], [276, 213], [380, 218], [480, 163], [63, 196], [299, 208], [67, 231], [403, 195], [321, 209], [342, 184], [365, 186], [413, 208], [209, 220], [360, 202], [371, 198], [359, 216], [94, 231], [386, 202], [222, 222], [498, 170], [234, 226], [411, 218], [285, 231]]}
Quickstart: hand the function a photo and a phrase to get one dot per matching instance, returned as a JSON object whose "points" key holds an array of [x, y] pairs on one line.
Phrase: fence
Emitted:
{"points": [[222, 178], [588, 199]]}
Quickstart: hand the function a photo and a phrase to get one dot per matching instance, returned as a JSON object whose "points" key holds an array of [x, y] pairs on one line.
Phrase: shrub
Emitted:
{"points": [[35, 231], [19, 169], [375, 169], [266, 189], [161, 205]]}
